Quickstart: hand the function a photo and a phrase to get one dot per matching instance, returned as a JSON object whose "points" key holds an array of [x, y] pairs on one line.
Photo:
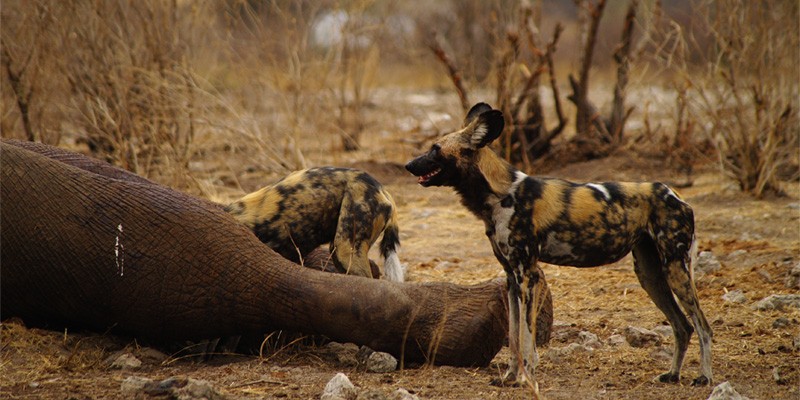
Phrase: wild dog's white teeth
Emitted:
{"points": [[429, 175]]}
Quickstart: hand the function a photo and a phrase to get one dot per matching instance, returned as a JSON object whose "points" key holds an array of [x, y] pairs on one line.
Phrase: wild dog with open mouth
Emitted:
{"points": [[345, 207], [559, 222]]}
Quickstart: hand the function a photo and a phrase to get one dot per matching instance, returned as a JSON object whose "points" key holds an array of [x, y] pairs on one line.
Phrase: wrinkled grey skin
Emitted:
{"points": [[86, 245]]}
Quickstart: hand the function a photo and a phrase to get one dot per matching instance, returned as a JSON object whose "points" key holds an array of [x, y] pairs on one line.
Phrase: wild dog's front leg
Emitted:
{"points": [[523, 297], [514, 364]]}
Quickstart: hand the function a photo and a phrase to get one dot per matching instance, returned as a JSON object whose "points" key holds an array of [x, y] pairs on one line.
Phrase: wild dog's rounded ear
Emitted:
{"points": [[489, 126], [475, 111]]}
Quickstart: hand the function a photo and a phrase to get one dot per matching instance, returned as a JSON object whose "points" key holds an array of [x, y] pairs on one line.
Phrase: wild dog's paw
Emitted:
{"points": [[668, 377], [701, 380]]}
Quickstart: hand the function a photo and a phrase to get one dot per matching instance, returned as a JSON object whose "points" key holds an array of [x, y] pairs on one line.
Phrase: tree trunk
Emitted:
{"points": [[90, 247]]}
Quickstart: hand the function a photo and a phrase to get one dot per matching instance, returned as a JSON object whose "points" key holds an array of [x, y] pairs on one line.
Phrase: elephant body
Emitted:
{"points": [[88, 245]]}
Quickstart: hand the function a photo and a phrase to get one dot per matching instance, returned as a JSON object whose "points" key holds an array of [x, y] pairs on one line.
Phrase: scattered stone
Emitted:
{"points": [[793, 206], [589, 339], [179, 388], [564, 332], [706, 263], [793, 280], [735, 296], [363, 355], [558, 354], [663, 330], [765, 275], [381, 362], [149, 355], [339, 388], [124, 361], [371, 394], [778, 302], [640, 337], [133, 386], [402, 394], [661, 353], [780, 323], [345, 354], [616, 340], [724, 391]]}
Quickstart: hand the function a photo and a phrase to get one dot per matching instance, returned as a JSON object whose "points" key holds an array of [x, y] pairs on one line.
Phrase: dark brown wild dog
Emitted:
{"points": [[529, 219], [345, 207]]}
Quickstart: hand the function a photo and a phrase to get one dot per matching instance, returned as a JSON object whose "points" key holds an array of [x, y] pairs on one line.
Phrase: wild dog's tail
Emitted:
{"points": [[390, 244]]}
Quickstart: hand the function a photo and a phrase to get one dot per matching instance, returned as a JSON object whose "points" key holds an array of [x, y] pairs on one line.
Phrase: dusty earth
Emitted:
{"points": [[756, 241]]}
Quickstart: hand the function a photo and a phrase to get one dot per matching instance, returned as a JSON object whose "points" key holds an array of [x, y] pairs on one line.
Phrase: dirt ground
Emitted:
{"points": [[756, 241]]}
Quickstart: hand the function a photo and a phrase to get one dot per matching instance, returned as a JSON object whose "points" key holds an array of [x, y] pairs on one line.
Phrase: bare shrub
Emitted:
{"points": [[749, 95], [131, 86], [25, 40], [121, 76], [738, 87]]}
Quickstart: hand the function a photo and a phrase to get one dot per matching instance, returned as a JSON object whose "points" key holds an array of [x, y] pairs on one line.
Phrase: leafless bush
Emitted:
{"points": [[134, 92], [121, 76], [27, 31], [746, 96]]}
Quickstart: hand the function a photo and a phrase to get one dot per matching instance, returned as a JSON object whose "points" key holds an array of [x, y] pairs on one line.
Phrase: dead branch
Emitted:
{"points": [[589, 110], [584, 115], [452, 70], [543, 143], [503, 98], [622, 56], [22, 94]]}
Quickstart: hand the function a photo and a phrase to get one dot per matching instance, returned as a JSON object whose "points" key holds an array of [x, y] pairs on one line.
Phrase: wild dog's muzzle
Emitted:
{"points": [[424, 168]]}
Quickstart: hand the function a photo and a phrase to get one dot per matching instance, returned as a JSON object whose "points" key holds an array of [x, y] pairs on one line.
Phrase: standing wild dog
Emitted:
{"points": [[564, 223], [345, 207]]}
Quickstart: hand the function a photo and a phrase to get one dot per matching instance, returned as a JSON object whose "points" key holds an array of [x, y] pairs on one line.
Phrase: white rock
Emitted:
{"points": [[339, 388], [616, 340], [344, 353], [589, 339], [126, 361], [402, 394], [735, 296], [381, 362], [661, 353], [180, 388], [663, 330], [558, 354], [640, 337], [778, 302], [706, 262], [724, 391], [133, 385]]}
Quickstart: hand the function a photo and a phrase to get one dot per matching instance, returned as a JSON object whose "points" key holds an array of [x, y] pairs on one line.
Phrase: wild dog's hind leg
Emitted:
{"points": [[680, 281], [350, 245], [647, 265]]}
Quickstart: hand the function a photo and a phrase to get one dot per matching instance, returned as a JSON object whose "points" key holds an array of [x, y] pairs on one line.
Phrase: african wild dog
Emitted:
{"points": [[345, 207], [529, 219]]}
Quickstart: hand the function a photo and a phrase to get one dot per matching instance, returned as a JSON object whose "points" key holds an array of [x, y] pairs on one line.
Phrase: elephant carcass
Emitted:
{"points": [[92, 247]]}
